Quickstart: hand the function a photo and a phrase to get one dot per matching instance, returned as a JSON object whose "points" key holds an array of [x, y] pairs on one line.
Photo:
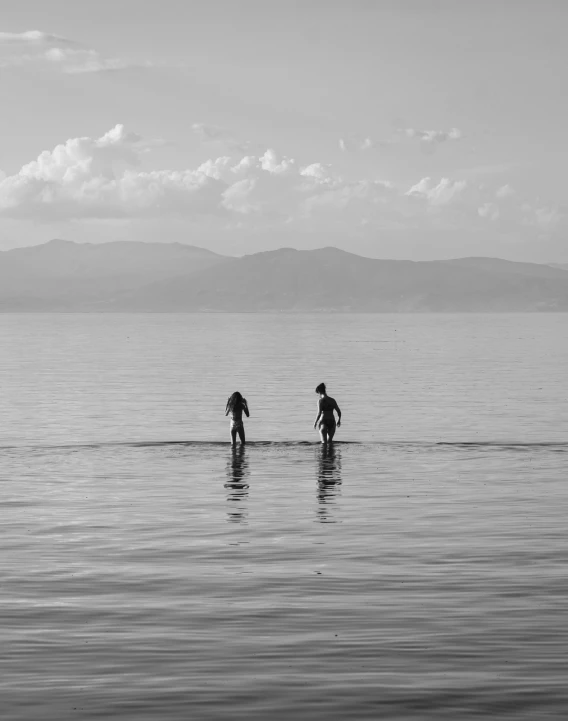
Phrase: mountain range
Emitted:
{"points": [[62, 276]]}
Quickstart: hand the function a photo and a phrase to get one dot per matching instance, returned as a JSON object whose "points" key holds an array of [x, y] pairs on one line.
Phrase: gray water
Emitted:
{"points": [[415, 570]]}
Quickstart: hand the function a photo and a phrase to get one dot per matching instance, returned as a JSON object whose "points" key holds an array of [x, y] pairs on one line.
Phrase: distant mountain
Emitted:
{"points": [[562, 266], [497, 265], [62, 275], [162, 277], [334, 280]]}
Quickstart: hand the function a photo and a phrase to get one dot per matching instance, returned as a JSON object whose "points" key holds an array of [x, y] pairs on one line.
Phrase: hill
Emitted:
{"points": [[62, 275], [334, 280], [162, 277]]}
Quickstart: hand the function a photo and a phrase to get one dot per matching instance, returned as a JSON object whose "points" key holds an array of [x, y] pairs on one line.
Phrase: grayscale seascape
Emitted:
{"points": [[414, 570], [350, 218]]}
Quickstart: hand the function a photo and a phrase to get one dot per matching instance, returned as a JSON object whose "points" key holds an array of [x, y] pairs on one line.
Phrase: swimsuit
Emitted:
{"points": [[236, 424], [328, 423]]}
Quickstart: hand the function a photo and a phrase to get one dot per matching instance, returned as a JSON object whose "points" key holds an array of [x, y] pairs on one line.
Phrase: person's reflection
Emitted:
{"points": [[236, 485], [329, 480]]}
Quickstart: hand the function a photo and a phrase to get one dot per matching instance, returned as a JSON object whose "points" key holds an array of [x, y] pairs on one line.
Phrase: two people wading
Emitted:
{"points": [[325, 420]]}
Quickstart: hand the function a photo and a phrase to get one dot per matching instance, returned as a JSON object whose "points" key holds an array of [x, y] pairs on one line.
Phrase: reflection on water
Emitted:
{"points": [[329, 481], [439, 596], [236, 485]]}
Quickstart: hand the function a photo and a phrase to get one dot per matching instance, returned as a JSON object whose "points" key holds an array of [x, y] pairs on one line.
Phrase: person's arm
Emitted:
{"points": [[246, 408], [319, 413], [338, 411]]}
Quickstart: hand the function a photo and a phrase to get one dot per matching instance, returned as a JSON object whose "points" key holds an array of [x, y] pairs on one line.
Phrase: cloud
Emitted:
{"points": [[544, 218], [429, 139], [352, 143], [86, 177], [100, 178], [433, 136], [59, 53], [106, 179], [34, 37], [505, 191], [489, 211], [446, 191], [76, 62]]}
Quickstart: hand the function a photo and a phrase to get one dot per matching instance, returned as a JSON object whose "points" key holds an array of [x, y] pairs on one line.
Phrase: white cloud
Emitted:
{"points": [[433, 136], [87, 177], [271, 162], [59, 53], [97, 178], [429, 139], [505, 191], [545, 218], [489, 211], [441, 194], [33, 37], [237, 197], [105, 178], [353, 142]]}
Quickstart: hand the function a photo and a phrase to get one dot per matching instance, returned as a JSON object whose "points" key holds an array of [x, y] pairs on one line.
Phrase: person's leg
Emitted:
{"points": [[323, 432], [233, 436], [242, 433], [331, 431]]}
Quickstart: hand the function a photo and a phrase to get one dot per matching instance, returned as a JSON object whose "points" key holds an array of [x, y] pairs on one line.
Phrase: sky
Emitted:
{"points": [[413, 129]]}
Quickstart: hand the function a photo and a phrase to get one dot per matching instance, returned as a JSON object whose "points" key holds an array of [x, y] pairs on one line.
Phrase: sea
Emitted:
{"points": [[415, 569]]}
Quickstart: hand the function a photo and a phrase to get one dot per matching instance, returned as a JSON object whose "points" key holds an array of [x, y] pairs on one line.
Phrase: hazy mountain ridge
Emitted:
{"points": [[162, 277], [62, 275]]}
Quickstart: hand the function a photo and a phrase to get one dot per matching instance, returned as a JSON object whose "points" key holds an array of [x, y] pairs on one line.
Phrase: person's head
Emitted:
{"points": [[321, 389], [235, 400]]}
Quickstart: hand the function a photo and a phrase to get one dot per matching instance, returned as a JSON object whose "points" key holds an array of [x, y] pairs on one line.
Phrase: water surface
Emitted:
{"points": [[416, 570]]}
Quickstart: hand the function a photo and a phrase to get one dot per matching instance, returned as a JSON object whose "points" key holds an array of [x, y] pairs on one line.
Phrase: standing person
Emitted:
{"points": [[325, 420], [235, 406]]}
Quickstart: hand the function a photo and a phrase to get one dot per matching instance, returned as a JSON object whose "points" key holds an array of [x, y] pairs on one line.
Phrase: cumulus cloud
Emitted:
{"points": [[99, 177], [105, 179], [58, 53], [505, 191], [352, 143], [441, 193]]}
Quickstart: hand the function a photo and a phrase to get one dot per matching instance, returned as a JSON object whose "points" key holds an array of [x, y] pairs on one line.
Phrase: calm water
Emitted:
{"points": [[417, 570]]}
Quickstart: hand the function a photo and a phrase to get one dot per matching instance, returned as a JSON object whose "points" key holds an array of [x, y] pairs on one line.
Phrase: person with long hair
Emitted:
{"points": [[236, 404], [325, 420]]}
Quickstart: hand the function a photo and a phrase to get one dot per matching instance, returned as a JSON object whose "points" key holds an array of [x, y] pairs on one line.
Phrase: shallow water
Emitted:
{"points": [[415, 572]]}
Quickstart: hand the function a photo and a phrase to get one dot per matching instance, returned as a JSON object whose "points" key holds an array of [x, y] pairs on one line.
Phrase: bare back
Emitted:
{"points": [[326, 406]]}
